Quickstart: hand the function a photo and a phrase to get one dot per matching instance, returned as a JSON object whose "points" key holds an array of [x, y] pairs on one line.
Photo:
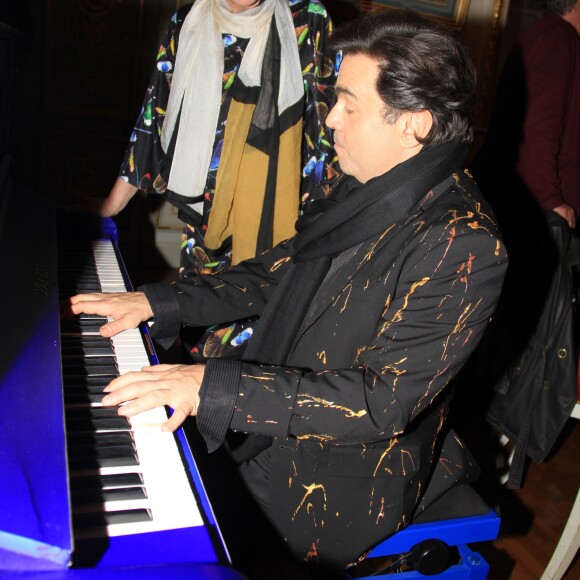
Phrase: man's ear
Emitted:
{"points": [[416, 124]]}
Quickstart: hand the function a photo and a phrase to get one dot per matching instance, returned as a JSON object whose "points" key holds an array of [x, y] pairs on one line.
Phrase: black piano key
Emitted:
{"points": [[86, 352], [95, 412], [80, 257], [77, 265], [77, 377], [94, 361], [82, 318], [67, 287], [68, 278], [77, 272], [118, 450], [87, 316], [92, 440], [76, 395], [98, 424], [79, 336], [87, 340], [81, 251], [90, 368], [110, 481], [78, 287], [80, 346], [67, 317], [108, 456], [92, 337], [102, 519], [88, 276], [76, 329], [89, 390], [83, 398], [87, 382], [98, 495], [75, 368], [73, 390]]}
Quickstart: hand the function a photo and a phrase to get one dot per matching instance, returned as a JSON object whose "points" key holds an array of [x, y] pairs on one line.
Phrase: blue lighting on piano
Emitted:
{"points": [[35, 515], [37, 540]]}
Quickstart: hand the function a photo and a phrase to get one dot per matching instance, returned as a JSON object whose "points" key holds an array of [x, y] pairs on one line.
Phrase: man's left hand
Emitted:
{"points": [[174, 385]]}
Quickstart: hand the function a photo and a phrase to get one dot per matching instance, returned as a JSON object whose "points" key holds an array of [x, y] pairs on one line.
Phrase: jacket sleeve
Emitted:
{"points": [[429, 327], [241, 292]]}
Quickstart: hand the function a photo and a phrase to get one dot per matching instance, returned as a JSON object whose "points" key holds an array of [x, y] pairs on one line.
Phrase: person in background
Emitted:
{"points": [[533, 140], [232, 133], [366, 314], [529, 169]]}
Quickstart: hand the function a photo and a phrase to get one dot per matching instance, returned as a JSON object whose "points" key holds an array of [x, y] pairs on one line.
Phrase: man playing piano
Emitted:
{"points": [[367, 313]]}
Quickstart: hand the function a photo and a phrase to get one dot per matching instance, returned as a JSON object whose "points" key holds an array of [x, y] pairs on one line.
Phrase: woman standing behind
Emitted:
{"points": [[232, 131]]}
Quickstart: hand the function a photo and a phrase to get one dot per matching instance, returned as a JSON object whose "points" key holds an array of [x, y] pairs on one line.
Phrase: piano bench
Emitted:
{"points": [[436, 544]]}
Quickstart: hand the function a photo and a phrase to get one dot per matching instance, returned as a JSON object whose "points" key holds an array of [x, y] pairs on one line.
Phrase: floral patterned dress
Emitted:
{"points": [[145, 164]]}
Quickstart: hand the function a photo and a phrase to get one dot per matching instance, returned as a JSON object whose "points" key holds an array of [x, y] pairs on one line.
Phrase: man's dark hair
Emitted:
{"points": [[560, 7], [422, 66]]}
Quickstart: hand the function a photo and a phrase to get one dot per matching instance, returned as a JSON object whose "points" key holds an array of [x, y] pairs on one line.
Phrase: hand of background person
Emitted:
{"points": [[119, 196], [568, 213], [127, 309], [174, 385]]}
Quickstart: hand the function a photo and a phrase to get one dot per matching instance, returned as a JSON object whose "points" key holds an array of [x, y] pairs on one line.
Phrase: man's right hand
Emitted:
{"points": [[127, 309]]}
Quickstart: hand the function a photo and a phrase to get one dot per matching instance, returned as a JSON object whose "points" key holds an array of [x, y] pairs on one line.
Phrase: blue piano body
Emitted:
{"points": [[36, 535]]}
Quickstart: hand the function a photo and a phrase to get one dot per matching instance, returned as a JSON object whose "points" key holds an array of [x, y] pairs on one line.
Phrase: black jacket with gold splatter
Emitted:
{"points": [[358, 413]]}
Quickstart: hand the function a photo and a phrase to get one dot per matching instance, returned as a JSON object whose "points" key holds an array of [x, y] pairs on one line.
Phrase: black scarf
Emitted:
{"points": [[353, 213]]}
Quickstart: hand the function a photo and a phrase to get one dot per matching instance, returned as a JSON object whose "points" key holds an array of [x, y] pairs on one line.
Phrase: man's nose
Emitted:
{"points": [[331, 118]]}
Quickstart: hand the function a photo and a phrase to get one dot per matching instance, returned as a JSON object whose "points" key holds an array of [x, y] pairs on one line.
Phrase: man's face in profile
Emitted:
{"points": [[366, 144]]}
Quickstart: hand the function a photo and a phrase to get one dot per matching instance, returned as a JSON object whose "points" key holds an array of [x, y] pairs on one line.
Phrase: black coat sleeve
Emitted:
{"points": [[238, 293]]}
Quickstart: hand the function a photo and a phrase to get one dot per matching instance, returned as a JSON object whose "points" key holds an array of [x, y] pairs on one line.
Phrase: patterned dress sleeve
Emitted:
{"points": [[319, 162], [144, 157]]}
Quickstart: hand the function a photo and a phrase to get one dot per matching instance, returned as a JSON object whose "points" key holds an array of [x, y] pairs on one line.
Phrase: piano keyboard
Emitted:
{"points": [[126, 475]]}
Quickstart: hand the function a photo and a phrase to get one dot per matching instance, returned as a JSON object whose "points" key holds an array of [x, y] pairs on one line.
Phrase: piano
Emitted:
{"points": [[85, 493]]}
